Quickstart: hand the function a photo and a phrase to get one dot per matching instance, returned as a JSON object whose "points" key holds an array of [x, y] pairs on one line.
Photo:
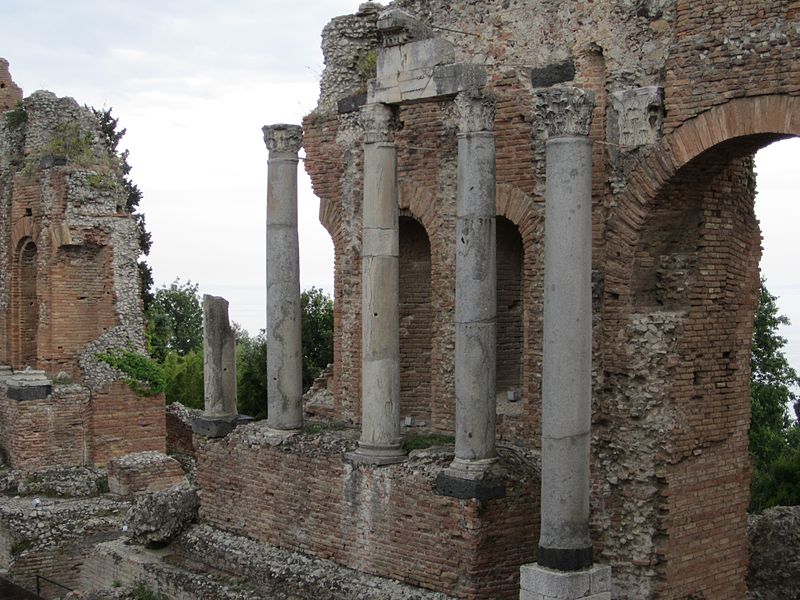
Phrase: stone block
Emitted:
{"points": [[553, 73], [469, 489], [214, 427], [415, 55], [29, 392], [541, 583], [426, 82], [143, 472]]}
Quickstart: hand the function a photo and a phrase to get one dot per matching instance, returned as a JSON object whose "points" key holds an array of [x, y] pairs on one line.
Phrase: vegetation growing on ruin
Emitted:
{"points": [[16, 117], [72, 142], [418, 441], [367, 64], [317, 427], [142, 592], [142, 374], [774, 435], [111, 136]]}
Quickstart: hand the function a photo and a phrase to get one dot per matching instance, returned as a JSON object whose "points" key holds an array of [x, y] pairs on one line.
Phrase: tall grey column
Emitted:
{"points": [[476, 288], [284, 348], [564, 544], [219, 359], [380, 297]]}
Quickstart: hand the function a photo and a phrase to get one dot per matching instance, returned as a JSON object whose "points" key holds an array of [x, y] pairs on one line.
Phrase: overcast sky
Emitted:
{"points": [[194, 81]]}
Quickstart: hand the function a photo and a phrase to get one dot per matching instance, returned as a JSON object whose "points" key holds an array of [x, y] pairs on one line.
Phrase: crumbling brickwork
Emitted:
{"points": [[685, 93], [69, 288]]}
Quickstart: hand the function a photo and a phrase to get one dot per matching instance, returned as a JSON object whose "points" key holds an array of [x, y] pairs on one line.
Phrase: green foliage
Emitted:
{"points": [[774, 438], [72, 142], [100, 181], [142, 374], [175, 320], [251, 374], [142, 592], [367, 64], [16, 117], [184, 378], [317, 331], [317, 427], [417, 441]]}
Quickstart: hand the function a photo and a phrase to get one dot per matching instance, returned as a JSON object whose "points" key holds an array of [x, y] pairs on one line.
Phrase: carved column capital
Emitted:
{"points": [[376, 119], [476, 111], [564, 111], [283, 138]]}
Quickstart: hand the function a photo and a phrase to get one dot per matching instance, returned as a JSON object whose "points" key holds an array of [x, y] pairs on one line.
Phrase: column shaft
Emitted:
{"points": [[567, 358], [380, 316], [476, 303], [284, 348], [219, 359]]}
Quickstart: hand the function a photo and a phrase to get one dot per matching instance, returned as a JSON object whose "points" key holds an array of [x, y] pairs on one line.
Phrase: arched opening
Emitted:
{"points": [[694, 292], [416, 316], [25, 317], [509, 310]]}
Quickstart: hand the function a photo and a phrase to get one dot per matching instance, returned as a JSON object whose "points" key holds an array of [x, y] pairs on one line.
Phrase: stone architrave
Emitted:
{"points": [[476, 288], [380, 288], [284, 348], [565, 546]]}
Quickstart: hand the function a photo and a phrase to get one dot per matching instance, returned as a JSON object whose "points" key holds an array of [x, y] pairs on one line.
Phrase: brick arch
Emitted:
{"points": [[773, 116], [521, 210], [24, 305], [680, 285], [24, 228]]}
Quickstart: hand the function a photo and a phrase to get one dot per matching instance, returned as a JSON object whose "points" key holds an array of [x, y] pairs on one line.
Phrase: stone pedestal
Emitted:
{"points": [[476, 289], [284, 348], [541, 583], [380, 294]]}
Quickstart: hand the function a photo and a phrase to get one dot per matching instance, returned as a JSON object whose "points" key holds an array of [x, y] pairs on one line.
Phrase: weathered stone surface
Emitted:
{"points": [[143, 472], [10, 92], [637, 116], [156, 518], [774, 542], [564, 110], [219, 359], [67, 482]]}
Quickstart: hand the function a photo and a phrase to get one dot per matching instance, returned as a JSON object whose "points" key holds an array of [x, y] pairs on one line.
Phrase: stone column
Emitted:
{"points": [[220, 413], [564, 568], [476, 288], [219, 359], [380, 297], [284, 348]]}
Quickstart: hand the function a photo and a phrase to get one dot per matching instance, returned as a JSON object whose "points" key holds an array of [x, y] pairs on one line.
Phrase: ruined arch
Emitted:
{"points": [[681, 290], [25, 305], [509, 307], [416, 320]]}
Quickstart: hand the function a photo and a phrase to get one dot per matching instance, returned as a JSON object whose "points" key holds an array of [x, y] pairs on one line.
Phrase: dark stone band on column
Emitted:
{"points": [[565, 559]]}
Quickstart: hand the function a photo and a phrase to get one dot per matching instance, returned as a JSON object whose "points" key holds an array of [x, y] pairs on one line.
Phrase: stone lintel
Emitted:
{"points": [[476, 111], [426, 82], [351, 103], [214, 427], [637, 115], [541, 583], [397, 26], [455, 486], [377, 120], [564, 111], [283, 138]]}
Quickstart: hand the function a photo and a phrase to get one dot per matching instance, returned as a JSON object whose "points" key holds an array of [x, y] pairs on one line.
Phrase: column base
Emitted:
{"points": [[470, 480], [366, 454], [540, 583], [215, 427]]}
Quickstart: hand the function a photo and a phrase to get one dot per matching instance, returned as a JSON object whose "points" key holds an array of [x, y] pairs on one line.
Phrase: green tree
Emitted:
{"points": [[175, 320], [774, 437], [184, 378], [317, 330], [251, 374]]}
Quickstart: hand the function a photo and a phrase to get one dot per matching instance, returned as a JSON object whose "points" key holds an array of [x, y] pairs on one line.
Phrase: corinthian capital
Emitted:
{"points": [[476, 111], [376, 119], [283, 137], [564, 110]]}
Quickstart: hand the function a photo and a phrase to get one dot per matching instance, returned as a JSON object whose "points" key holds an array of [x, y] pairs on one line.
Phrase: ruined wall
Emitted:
{"points": [[385, 521], [69, 286], [685, 92]]}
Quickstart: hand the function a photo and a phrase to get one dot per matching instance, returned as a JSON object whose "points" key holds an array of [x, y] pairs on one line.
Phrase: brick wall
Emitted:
{"points": [[385, 521], [415, 321]]}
